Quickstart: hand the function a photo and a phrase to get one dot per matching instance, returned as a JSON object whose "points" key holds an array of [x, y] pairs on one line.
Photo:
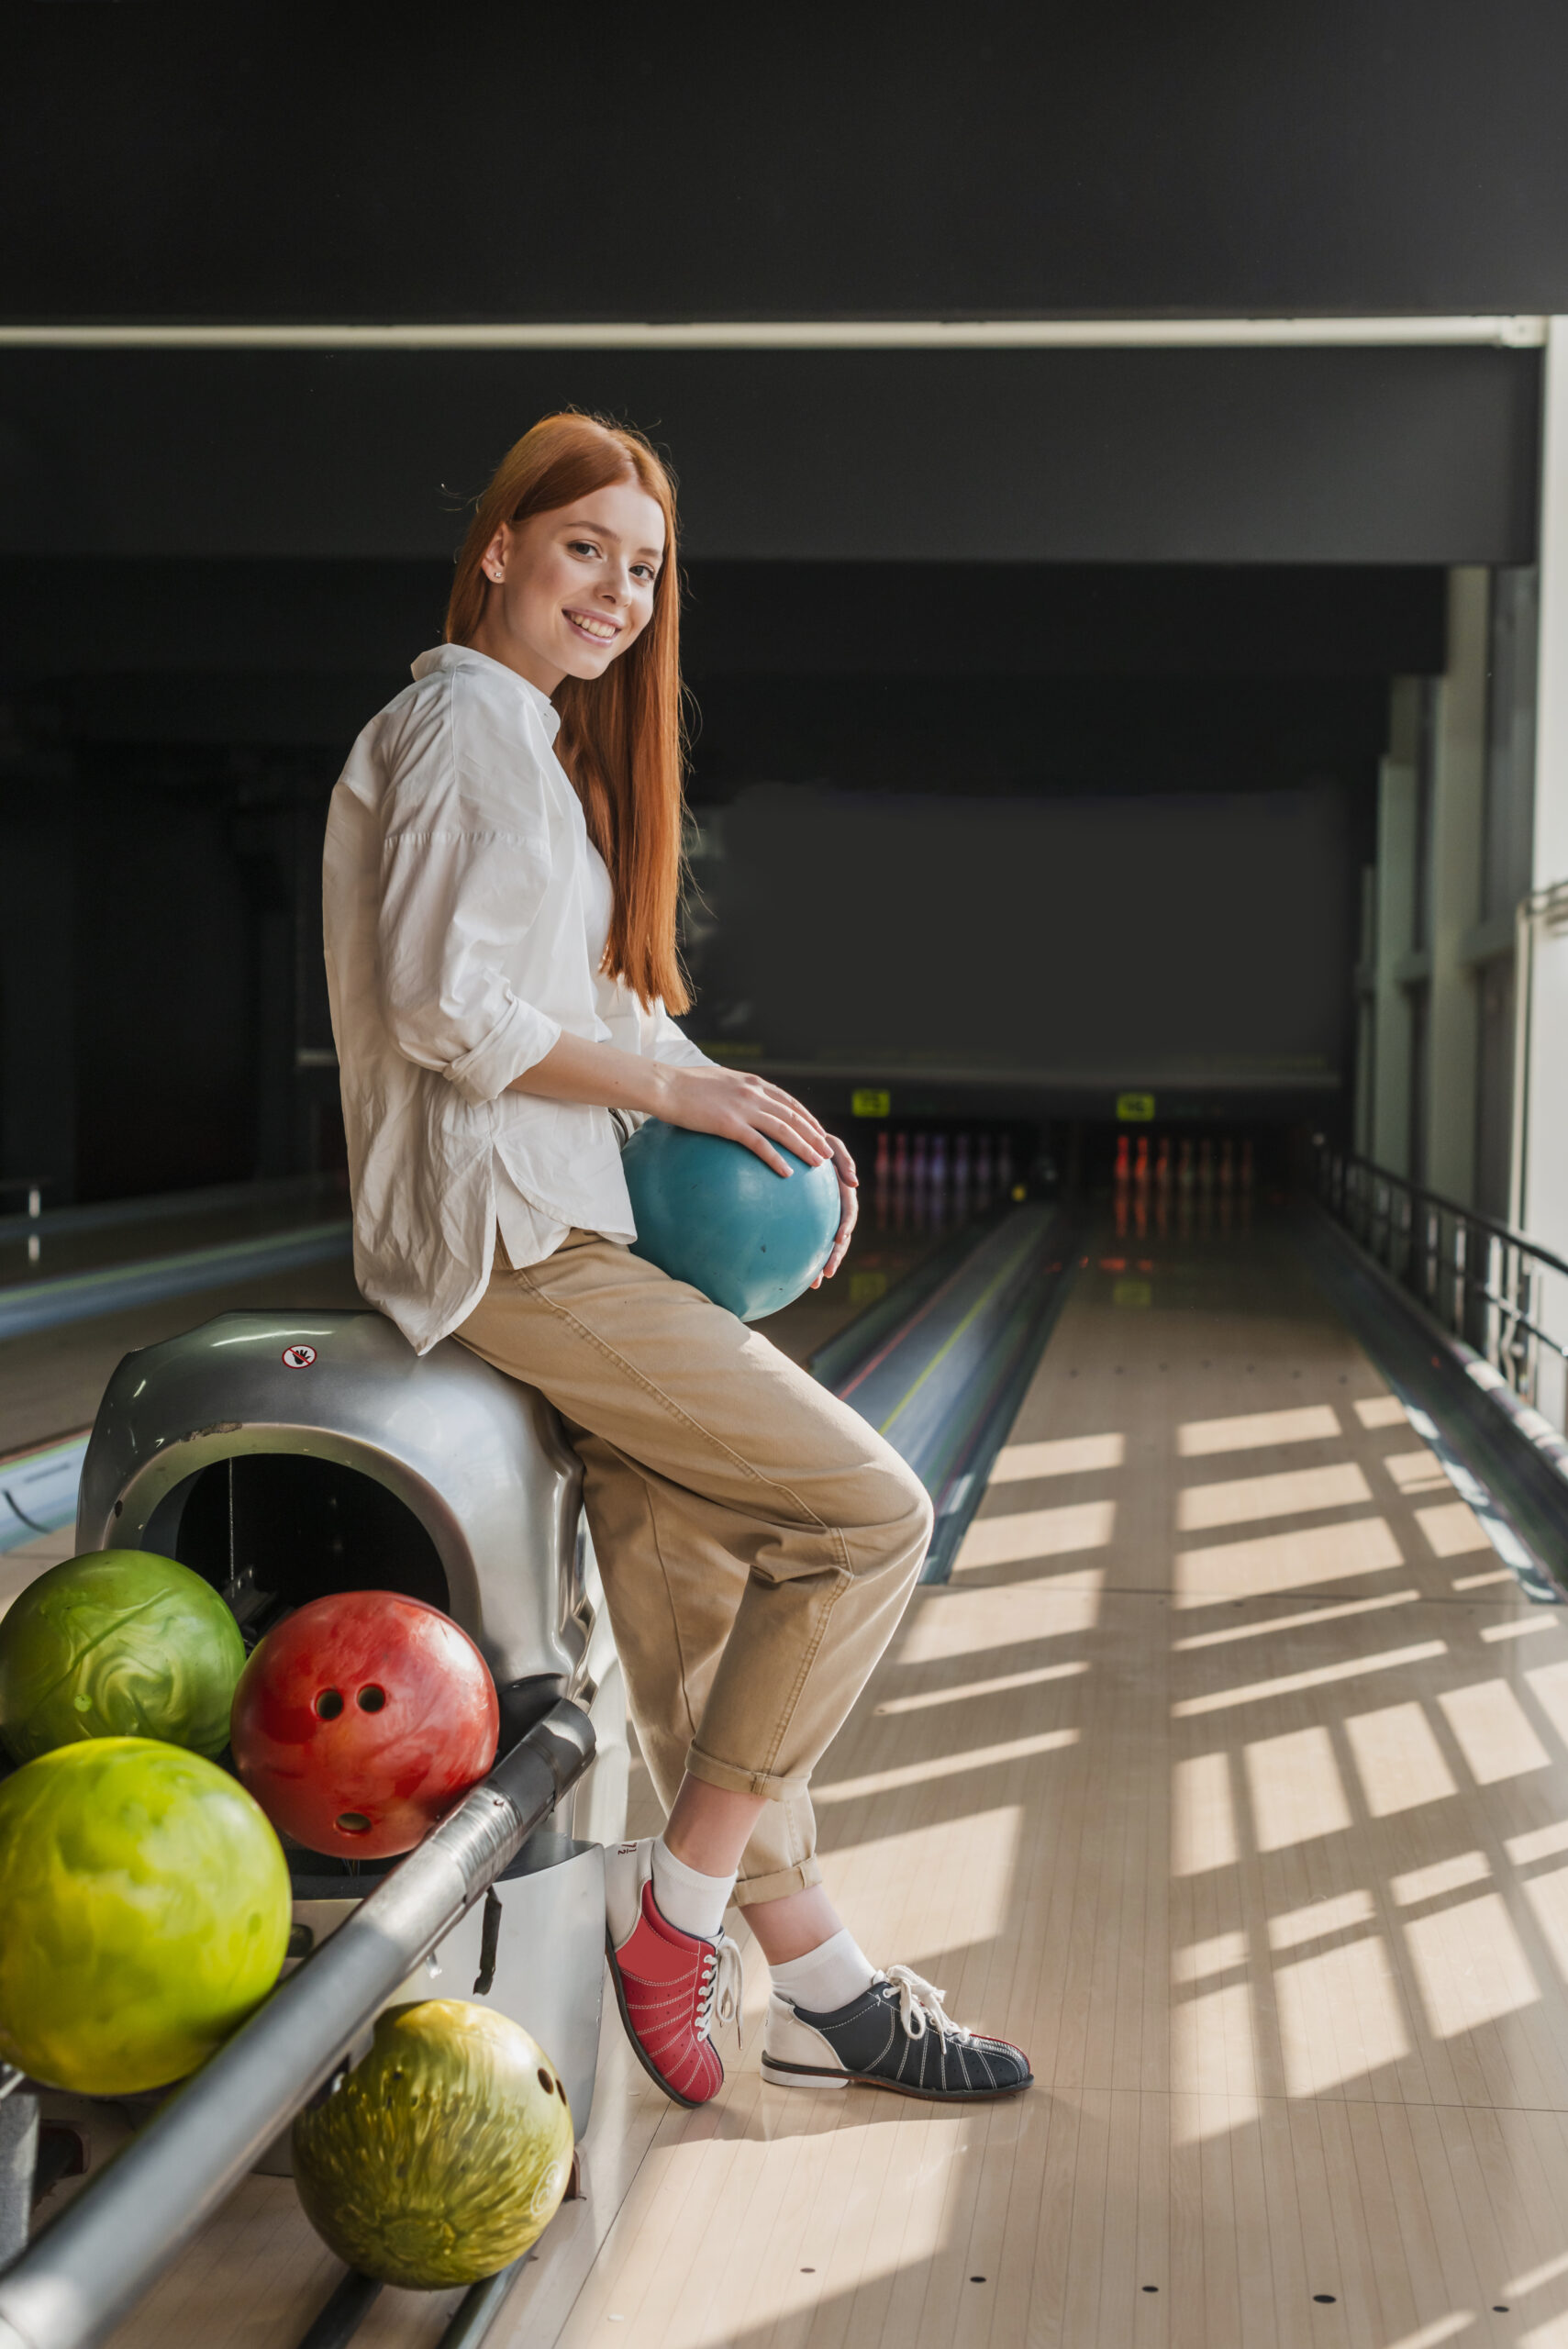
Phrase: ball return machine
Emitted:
{"points": [[285, 1456]]}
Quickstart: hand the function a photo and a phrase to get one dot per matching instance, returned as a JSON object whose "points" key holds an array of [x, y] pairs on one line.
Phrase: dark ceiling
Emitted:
{"points": [[502, 161]]}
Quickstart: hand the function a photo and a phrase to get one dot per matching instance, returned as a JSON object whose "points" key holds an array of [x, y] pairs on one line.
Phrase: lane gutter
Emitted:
{"points": [[940, 1370]]}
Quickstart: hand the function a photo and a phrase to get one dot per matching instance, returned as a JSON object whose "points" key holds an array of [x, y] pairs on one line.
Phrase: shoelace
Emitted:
{"points": [[723, 1987], [920, 2006]]}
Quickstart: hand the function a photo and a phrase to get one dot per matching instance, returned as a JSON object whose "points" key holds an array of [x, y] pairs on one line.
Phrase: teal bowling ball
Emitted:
{"points": [[712, 1213]]}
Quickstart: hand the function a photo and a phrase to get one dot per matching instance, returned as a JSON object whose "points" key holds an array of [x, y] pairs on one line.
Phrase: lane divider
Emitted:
{"points": [[943, 1378]]}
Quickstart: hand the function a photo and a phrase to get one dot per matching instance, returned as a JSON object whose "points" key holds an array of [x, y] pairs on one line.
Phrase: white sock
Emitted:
{"points": [[828, 1976], [686, 1898]]}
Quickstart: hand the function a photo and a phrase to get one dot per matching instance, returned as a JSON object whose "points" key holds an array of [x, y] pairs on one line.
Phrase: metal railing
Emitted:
{"points": [[1501, 1293]]}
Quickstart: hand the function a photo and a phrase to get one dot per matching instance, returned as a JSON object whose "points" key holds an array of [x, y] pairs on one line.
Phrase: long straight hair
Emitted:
{"points": [[621, 739]]}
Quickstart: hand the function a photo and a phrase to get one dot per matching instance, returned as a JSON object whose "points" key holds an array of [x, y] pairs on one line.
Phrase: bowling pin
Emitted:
{"points": [[1140, 1165], [883, 1165], [1227, 1165], [1185, 1166], [1123, 1159], [1206, 1165], [1246, 1166]]}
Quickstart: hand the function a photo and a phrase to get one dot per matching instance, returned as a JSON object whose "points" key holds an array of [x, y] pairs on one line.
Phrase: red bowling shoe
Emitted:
{"points": [[672, 1987]]}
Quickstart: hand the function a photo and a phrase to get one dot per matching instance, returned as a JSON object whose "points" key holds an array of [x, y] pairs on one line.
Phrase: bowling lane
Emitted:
{"points": [[1229, 1774], [90, 1239]]}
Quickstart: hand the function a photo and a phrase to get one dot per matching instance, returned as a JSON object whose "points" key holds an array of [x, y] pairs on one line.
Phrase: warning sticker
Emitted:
{"points": [[298, 1357]]}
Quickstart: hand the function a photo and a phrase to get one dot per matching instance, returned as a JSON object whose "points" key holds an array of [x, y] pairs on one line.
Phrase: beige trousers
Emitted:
{"points": [[758, 1540]]}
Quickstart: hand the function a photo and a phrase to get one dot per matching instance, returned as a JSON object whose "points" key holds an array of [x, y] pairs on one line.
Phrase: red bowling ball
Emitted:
{"points": [[360, 1721]]}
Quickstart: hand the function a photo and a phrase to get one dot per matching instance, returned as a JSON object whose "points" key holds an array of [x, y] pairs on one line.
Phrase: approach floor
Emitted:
{"points": [[1228, 1776]]}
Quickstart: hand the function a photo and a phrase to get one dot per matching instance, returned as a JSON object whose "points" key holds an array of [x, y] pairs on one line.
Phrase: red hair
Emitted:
{"points": [[620, 737]]}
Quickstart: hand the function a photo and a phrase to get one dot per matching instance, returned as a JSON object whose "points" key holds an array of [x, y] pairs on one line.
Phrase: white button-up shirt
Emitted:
{"points": [[465, 913]]}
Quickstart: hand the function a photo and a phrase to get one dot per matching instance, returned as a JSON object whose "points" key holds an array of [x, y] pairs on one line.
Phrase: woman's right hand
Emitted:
{"points": [[746, 1109]]}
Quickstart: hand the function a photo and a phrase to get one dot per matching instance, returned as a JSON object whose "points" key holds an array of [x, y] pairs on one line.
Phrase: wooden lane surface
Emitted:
{"points": [[1230, 1776]]}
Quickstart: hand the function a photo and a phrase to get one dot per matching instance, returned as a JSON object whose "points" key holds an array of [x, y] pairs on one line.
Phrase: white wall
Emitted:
{"points": [[1458, 782], [1541, 1180]]}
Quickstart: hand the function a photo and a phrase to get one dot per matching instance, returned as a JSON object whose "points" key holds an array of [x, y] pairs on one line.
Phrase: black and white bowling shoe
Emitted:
{"points": [[894, 2035]]}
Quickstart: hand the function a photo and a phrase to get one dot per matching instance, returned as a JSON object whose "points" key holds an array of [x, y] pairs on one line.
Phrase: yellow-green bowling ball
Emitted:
{"points": [[444, 2154], [144, 1913]]}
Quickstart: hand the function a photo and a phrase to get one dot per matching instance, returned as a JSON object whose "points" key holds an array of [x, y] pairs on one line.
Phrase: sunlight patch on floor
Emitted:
{"points": [[1439, 1876], [1452, 1530], [1336, 1914], [1261, 1626], [942, 1766], [1317, 1676], [1231, 1570], [887, 1878], [1470, 1965], [1203, 1816], [1220, 1955], [1296, 1789], [1382, 1411], [1066, 1455], [1244, 1500], [1037, 1534], [967, 1691], [1415, 1472], [1493, 1732], [1213, 2055], [1255, 1430], [968, 1622], [1339, 2017]]}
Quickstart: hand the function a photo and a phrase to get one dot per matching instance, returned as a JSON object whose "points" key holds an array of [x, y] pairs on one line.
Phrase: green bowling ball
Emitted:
{"points": [[117, 1643], [444, 2154], [145, 1908]]}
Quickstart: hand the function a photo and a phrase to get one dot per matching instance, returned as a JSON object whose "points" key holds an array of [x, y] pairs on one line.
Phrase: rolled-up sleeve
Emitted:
{"points": [[450, 903], [458, 893]]}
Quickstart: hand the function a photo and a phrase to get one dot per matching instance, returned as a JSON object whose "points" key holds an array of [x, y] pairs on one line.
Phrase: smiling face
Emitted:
{"points": [[569, 590]]}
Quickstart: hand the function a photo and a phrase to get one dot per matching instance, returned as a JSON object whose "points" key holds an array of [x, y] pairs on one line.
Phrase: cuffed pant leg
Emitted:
{"points": [[670, 1641]]}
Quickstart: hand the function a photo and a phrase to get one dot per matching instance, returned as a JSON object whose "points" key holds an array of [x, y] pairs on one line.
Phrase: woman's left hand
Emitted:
{"points": [[849, 1208]]}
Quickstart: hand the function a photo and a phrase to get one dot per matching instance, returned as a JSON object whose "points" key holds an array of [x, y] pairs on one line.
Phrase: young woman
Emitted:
{"points": [[502, 876]]}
